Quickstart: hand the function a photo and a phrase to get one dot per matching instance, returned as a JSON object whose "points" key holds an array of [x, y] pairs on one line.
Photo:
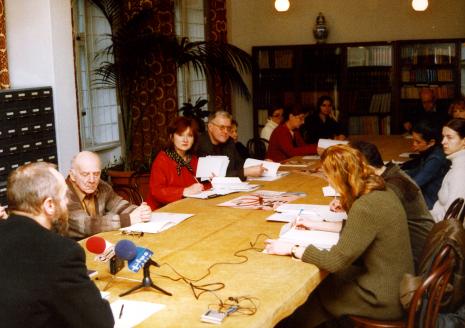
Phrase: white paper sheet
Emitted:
{"points": [[329, 191], [160, 221], [326, 143], [312, 212], [271, 167], [319, 239], [134, 312], [210, 166]]}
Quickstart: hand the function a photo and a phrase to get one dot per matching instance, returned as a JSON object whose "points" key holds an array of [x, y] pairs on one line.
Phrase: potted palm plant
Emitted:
{"points": [[134, 43]]}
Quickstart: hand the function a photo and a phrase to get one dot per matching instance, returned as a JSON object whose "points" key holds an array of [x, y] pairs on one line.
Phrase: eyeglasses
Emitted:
{"points": [[226, 128]]}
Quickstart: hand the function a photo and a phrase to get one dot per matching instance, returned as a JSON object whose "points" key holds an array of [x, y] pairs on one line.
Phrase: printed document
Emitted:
{"points": [[212, 166], [160, 221]]}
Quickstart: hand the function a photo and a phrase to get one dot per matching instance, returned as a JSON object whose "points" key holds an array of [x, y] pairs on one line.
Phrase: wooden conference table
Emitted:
{"points": [[277, 284]]}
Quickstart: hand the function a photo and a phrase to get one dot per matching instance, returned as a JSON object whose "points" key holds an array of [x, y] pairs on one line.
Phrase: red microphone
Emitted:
{"points": [[104, 249]]}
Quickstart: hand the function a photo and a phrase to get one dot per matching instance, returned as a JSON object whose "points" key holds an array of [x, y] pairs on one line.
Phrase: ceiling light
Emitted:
{"points": [[281, 5], [420, 5]]}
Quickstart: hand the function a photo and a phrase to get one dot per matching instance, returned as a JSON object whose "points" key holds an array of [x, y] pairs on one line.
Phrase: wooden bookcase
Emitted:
{"points": [[373, 84]]}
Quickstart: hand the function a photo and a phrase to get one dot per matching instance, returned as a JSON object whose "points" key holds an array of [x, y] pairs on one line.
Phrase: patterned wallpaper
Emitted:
{"points": [[4, 77]]}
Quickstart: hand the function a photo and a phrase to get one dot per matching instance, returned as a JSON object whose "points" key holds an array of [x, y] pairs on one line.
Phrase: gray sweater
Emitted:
{"points": [[369, 260]]}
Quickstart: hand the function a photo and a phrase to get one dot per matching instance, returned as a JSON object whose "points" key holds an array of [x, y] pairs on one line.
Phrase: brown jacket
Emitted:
{"points": [[112, 212]]}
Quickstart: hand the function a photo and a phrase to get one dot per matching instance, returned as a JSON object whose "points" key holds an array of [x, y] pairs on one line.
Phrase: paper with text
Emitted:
{"points": [[319, 239], [312, 212]]}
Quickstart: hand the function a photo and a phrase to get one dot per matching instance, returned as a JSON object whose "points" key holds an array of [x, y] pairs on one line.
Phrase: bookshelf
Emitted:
{"points": [[285, 75], [368, 83], [373, 84], [428, 64]]}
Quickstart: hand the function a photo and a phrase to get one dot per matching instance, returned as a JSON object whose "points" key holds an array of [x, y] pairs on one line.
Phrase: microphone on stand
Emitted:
{"points": [[137, 257], [105, 252]]}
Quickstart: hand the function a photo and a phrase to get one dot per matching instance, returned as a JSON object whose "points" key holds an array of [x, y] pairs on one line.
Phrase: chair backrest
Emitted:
{"points": [[130, 191], [424, 308], [257, 148]]}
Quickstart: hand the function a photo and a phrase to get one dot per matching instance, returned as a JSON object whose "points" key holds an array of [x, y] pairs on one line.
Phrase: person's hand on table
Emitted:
{"points": [[193, 189], [254, 171], [279, 247], [142, 213]]}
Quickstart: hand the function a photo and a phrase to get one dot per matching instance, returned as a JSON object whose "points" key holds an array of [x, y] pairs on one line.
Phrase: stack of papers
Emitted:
{"points": [[160, 221], [223, 186], [319, 239], [289, 212], [130, 313], [212, 166], [278, 175], [326, 143]]}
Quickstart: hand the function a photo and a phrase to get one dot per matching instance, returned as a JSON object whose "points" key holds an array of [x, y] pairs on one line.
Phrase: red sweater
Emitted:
{"points": [[166, 185], [281, 146]]}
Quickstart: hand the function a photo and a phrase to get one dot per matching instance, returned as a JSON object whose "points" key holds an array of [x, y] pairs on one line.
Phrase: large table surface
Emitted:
{"points": [[278, 284]]}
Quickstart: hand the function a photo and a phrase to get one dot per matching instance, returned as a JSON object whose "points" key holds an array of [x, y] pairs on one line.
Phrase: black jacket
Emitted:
{"points": [[44, 281]]}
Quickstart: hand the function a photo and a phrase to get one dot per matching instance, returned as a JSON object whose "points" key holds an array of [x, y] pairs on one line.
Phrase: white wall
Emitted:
{"points": [[40, 53], [255, 23]]}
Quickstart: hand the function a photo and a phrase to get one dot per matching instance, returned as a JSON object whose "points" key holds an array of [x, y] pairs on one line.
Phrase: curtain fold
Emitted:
{"points": [[154, 102], [217, 31], [4, 75]]}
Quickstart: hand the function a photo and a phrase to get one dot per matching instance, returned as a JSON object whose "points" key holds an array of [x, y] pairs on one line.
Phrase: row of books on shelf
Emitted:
{"points": [[380, 103], [370, 125], [369, 77], [441, 92], [427, 75], [369, 56], [428, 54]]}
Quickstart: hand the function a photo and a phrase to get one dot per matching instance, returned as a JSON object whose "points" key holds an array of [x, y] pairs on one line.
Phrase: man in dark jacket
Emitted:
{"points": [[43, 276]]}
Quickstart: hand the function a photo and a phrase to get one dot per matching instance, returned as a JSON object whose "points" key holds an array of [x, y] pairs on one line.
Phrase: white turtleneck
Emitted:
{"points": [[453, 185]]}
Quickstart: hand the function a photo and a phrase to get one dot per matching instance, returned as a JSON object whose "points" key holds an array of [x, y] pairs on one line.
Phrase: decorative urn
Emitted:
{"points": [[320, 31]]}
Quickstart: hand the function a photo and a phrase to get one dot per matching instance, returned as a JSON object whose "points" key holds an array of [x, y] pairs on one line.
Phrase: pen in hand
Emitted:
{"points": [[121, 311]]}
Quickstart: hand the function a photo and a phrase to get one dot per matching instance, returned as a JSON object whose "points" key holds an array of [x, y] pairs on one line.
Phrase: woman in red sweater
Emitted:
{"points": [[173, 172], [286, 140]]}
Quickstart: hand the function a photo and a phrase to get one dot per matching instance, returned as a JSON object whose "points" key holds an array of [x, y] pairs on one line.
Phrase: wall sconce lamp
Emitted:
{"points": [[281, 5], [419, 5]]}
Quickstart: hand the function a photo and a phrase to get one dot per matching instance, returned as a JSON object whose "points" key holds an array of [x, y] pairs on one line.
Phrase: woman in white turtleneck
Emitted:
{"points": [[453, 185]]}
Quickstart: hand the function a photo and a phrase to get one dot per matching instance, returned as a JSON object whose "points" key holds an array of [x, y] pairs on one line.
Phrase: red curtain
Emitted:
{"points": [[4, 76], [217, 31], [154, 105]]}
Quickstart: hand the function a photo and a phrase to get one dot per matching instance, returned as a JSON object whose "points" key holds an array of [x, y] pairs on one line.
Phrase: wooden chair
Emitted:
{"points": [[129, 191], [431, 290], [257, 148]]}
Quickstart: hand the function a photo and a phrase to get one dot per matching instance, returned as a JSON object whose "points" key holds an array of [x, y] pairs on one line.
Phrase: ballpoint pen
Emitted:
{"points": [[121, 311]]}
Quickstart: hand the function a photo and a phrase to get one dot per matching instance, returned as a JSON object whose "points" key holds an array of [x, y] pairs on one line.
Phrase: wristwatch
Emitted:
{"points": [[293, 250]]}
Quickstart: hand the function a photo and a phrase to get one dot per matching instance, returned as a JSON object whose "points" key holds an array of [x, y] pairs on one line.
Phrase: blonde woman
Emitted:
{"points": [[373, 251]]}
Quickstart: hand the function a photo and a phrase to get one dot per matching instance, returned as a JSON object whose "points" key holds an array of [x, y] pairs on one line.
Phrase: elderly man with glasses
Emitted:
{"points": [[216, 141]]}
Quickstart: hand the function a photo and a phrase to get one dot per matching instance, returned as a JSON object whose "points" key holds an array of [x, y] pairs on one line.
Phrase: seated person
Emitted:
{"points": [[3, 214], [457, 108], [241, 149], [372, 254], [321, 124], [173, 171], [275, 118], [429, 168], [43, 278], [453, 185], [286, 140], [419, 218], [93, 205], [217, 142], [427, 110]]}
